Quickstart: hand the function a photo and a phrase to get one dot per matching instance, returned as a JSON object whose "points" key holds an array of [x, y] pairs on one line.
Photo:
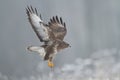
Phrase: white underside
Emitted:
{"points": [[42, 30], [39, 50]]}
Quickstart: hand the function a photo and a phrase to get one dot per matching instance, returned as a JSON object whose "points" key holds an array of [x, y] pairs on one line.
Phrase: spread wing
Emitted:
{"points": [[58, 27], [37, 24]]}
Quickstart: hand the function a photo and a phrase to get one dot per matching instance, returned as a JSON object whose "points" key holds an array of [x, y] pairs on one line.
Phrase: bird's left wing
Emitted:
{"points": [[58, 27], [37, 24]]}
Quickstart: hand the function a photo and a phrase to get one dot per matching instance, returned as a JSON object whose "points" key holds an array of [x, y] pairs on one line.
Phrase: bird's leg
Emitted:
{"points": [[50, 64]]}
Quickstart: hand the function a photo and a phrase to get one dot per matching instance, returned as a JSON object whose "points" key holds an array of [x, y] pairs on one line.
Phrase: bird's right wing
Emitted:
{"points": [[37, 24]]}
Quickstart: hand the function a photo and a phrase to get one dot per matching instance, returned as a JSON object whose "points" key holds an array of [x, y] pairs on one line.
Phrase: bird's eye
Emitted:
{"points": [[40, 22]]}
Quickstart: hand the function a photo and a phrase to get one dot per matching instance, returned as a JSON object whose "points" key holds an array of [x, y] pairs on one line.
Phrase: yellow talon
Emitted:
{"points": [[50, 64]]}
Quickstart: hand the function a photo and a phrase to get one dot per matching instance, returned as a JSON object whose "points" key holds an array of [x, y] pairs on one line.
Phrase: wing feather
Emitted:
{"points": [[61, 21], [36, 12], [37, 24], [57, 19], [58, 27]]}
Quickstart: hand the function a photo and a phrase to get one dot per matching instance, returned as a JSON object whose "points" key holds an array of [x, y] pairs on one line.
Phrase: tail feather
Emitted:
{"points": [[39, 50]]}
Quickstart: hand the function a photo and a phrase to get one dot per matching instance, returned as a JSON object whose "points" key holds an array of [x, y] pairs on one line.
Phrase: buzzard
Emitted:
{"points": [[51, 34]]}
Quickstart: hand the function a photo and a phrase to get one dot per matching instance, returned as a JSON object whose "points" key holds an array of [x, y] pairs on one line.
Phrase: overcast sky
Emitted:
{"points": [[93, 26]]}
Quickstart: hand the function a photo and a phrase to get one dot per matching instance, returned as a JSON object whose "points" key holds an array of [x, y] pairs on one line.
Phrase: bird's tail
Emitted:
{"points": [[38, 49]]}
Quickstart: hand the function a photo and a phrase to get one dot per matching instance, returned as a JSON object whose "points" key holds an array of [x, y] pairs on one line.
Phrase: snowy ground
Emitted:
{"points": [[101, 65]]}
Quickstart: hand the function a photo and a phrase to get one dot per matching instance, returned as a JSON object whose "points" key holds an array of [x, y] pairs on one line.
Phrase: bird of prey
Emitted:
{"points": [[51, 34]]}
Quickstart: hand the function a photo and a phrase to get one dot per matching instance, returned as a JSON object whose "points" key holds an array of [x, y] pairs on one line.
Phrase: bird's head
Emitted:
{"points": [[63, 45]]}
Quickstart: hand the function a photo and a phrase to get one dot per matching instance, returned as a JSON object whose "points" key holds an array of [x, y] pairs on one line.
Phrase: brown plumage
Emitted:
{"points": [[58, 27], [54, 48]]}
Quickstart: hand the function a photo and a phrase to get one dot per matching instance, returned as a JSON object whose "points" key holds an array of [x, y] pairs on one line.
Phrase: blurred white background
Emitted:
{"points": [[93, 29]]}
